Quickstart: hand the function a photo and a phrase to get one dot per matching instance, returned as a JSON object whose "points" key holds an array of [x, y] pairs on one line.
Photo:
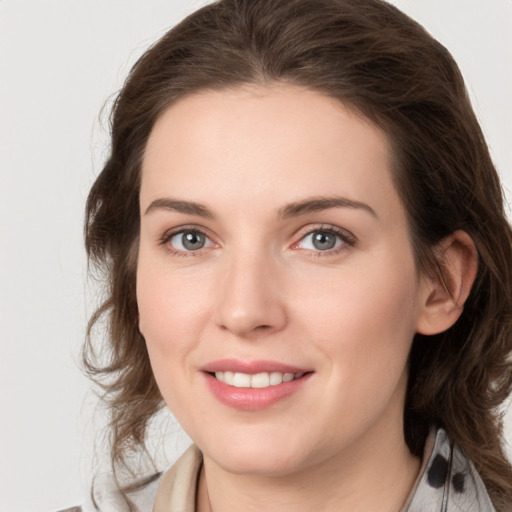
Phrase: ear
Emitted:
{"points": [[444, 294]]}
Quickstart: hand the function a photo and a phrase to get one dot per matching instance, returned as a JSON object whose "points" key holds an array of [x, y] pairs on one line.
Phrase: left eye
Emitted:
{"points": [[189, 241], [321, 240]]}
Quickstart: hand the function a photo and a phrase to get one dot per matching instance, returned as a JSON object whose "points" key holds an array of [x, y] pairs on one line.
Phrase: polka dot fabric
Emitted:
{"points": [[450, 482]]}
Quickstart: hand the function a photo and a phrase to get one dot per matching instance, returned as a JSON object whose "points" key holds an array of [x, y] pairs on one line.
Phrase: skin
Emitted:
{"points": [[259, 289]]}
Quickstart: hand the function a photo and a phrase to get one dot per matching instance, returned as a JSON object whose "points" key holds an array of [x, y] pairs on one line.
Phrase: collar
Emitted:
{"points": [[448, 481]]}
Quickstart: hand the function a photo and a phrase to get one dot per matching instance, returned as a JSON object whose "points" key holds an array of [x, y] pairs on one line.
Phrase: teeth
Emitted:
{"points": [[242, 380], [257, 380], [276, 378]]}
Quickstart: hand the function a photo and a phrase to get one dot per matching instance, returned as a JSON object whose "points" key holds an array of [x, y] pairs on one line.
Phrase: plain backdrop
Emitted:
{"points": [[61, 60]]}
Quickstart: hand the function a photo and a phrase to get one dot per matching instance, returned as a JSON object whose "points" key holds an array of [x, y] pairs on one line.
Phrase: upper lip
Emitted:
{"points": [[251, 367]]}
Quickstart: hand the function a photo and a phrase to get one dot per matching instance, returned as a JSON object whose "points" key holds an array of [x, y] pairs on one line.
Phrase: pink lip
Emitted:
{"points": [[252, 399], [251, 367]]}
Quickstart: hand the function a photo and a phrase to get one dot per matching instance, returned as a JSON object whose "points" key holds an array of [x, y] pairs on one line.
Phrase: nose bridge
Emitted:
{"points": [[250, 298]]}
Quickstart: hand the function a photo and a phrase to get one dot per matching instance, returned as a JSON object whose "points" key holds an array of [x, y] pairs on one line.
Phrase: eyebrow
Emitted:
{"points": [[295, 209], [316, 204], [174, 205]]}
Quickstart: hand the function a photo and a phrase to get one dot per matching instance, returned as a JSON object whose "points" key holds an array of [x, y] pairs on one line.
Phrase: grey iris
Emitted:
{"points": [[193, 240], [323, 241]]}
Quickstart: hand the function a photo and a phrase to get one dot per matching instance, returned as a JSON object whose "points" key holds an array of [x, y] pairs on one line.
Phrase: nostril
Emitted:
{"points": [[263, 327]]}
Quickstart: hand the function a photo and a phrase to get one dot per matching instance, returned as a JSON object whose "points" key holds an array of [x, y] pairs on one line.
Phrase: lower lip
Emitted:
{"points": [[253, 399]]}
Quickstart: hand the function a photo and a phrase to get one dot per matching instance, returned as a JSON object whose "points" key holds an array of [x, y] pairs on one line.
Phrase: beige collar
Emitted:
{"points": [[177, 490]]}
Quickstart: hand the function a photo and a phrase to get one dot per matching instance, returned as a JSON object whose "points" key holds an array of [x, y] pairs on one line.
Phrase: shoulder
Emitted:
{"points": [[107, 496], [449, 480], [176, 487]]}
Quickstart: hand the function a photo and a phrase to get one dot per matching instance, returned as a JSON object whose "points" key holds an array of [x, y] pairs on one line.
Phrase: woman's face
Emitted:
{"points": [[273, 247]]}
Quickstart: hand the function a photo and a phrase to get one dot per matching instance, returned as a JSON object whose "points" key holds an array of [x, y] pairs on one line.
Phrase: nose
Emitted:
{"points": [[250, 302]]}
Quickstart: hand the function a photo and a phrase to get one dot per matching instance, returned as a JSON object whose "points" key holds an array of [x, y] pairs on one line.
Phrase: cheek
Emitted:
{"points": [[169, 318], [364, 318], [171, 304], [173, 310]]}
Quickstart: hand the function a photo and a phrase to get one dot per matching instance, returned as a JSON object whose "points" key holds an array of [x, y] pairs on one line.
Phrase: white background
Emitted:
{"points": [[60, 61]]}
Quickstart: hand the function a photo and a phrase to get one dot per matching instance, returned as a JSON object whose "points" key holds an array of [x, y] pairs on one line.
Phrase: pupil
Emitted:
{"points": [[323, 241], [193, 241]]}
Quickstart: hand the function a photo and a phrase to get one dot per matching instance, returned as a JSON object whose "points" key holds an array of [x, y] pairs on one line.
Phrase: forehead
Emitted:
{"points": [[276, 111], [273, 140]]}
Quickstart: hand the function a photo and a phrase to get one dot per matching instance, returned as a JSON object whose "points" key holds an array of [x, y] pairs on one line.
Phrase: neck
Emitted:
{"points": [[375, 474]]}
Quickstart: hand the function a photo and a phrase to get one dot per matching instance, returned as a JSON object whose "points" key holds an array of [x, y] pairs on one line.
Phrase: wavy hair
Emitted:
{"points": [[382, 64]]}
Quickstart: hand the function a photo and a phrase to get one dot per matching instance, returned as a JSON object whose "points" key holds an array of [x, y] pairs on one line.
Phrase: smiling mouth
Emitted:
{"points": [[256, 380], [255, 385]]}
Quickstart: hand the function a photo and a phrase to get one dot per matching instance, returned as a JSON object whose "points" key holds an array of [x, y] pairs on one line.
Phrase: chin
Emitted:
{"points": [[263, 455], [260, 465]]}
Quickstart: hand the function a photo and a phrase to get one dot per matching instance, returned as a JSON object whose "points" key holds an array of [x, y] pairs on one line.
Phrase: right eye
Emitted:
{"points": [[189, 240]]}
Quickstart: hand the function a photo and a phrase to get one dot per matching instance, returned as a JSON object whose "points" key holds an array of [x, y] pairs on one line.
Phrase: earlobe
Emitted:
{"points": [[444, 294]]}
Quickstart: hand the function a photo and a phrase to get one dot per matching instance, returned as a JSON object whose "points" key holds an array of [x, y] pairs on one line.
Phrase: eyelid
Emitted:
{"points": [[170, 233], [348, 238]]}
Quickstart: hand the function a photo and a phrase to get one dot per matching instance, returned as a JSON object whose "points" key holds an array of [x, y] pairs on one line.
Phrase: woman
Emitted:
{"points": [[308, 263]]}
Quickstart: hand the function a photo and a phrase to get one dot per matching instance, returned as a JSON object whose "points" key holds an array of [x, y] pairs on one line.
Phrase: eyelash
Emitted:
{"points": [[347, 240], [168, 235]]}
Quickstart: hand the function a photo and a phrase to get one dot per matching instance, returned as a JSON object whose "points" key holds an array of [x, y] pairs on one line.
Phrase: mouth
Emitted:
{"points": [[257, 380], [253, 386]]}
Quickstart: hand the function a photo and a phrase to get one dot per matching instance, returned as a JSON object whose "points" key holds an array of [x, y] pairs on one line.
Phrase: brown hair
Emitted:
{"points": [[379, 62]]}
